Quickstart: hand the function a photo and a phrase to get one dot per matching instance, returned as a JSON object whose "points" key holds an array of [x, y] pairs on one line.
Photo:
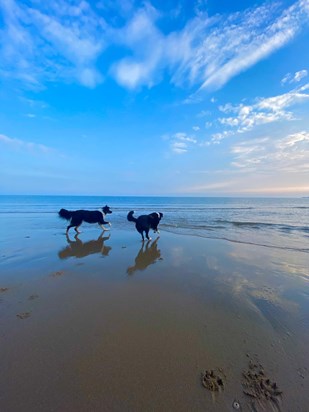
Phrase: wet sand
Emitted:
{"points": [[105, 323]]}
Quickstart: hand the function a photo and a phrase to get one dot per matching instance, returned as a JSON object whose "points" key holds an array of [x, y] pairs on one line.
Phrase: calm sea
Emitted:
{"points": [[268, 222]]}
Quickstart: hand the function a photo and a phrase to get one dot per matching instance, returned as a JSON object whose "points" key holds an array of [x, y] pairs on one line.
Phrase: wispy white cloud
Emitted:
{"points": [[295, 141], [217, 137], [179, 147], [264, 110], [207, 52], [268, 165], [16, 47], [147, 42], [289, 154], [300, 75], [18, 144], [67, 40], [297, 77], [60, 42], [214, 53], [242, 118], [181, 142]]}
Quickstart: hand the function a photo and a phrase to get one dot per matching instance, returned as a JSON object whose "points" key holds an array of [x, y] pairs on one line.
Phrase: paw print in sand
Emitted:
{"points": [[212, 381], [259, 387]]}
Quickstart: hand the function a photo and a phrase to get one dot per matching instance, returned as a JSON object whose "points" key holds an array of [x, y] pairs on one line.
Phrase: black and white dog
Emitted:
{"points": [[77, 217], [146, 222]]}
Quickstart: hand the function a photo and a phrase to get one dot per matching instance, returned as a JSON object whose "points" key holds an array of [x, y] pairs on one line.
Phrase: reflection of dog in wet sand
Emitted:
{"points": [[80, 249], [77, 217], [146, 222], [147, 255]]}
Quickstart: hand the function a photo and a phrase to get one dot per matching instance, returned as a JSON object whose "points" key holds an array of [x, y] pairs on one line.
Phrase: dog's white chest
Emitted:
{"points": [[103, 214]]}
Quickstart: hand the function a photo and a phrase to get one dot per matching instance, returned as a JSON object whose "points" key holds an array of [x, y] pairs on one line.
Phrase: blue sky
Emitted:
{"points": [[126, 97]]}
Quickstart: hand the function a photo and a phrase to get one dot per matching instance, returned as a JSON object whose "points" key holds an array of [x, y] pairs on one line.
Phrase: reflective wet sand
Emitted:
{"points": [[106, 323]]}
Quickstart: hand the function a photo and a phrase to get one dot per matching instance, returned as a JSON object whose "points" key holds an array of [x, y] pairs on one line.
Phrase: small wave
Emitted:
{"points": [[245, 242], [261, 225], [244, 223]]}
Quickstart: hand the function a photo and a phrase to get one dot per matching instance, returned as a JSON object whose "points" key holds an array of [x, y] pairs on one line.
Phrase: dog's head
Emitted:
{"points": [[106, 210], [157, 215], [155, 219]]}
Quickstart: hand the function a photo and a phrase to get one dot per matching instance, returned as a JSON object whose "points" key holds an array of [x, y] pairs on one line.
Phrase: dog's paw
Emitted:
{"points": [[109, 223]]}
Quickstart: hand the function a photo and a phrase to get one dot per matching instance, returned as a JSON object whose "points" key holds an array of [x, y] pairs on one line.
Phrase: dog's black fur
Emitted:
{"points": [[77, 217], [146, 222]]}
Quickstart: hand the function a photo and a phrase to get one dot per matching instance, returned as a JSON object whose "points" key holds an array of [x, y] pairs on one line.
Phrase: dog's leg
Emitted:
{"points": [[103, 228], [102, 222], [68, 228], [147, 234], [76, 229]]}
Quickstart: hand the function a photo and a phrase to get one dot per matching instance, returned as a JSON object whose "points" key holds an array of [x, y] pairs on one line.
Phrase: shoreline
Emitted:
{"points": [[107, 323]]}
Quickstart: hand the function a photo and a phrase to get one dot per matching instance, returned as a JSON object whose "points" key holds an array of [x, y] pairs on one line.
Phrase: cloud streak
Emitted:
{"points": [[251, 48], [67, 41], [61, 43], [146, 42], [181, 142], [263, 111], [215, 52], [289, 154], [297, 77], [17, 144]]}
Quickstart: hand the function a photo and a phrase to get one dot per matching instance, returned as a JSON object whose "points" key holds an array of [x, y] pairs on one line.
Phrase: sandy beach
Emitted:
{"points": [[182, 323], [123, 117]]}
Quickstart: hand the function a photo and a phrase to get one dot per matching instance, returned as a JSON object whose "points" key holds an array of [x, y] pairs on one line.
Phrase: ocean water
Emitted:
{"points": [[269, 222]]}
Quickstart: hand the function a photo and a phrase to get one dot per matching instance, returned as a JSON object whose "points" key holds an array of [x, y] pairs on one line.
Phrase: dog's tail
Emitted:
{"points": [[130, 217], [65, 214]]}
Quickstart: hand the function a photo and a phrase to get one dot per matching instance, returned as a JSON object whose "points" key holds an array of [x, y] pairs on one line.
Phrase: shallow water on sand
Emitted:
{"points": [[269, 222], [105, 322]]}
